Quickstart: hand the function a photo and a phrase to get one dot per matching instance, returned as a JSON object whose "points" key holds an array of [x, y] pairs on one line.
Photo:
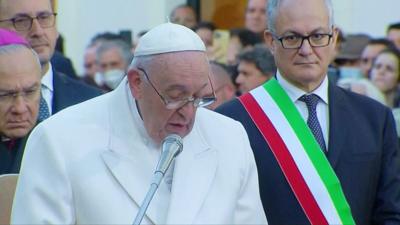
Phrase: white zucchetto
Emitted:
{"points": [[169, 37]]}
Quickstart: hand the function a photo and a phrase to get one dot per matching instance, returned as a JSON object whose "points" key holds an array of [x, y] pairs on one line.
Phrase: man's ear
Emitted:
{"points": [[335, 34], [269, 41], [135, 83]]}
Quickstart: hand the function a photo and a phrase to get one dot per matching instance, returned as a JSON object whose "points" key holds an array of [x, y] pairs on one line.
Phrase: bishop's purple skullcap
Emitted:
{"points": [[8, 37]]}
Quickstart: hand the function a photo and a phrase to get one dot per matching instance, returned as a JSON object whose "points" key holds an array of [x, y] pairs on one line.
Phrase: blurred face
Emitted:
{"points": [[184, 16], [111, 59], [206, 36], [223, 86], [256, 18], [394, 36], [385, 72], [307, 66], [19, 93], [234, 47], [42, 40], [249, 77], [90, 64], [368, 56], [175, 76]]}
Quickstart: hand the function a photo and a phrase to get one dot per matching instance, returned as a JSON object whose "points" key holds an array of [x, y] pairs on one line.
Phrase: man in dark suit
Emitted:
{"points": [[35, 20], [63, 64], [20, 74], [324, 155]]}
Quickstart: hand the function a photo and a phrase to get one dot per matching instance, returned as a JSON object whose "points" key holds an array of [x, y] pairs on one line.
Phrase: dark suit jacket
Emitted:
{"points": [[63, 64], [68, 91], [10, 160], [363, 151]]}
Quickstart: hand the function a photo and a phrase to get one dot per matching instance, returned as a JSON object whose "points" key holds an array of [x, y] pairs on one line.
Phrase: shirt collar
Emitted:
{"points": [[295, 93], [47, 79], [139, 121]]}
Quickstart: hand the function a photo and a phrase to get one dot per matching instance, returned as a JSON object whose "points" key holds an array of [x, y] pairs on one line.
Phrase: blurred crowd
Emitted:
{"points": [[366, 65]]}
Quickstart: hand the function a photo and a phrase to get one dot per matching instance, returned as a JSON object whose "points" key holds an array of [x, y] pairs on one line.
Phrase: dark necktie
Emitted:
{"points": [[43, 110], [312, 121]]}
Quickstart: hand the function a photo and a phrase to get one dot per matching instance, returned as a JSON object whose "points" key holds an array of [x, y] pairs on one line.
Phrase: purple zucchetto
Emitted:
{"points": [[8, 37]]}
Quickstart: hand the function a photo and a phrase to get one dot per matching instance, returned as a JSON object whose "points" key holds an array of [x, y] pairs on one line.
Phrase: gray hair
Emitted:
{"points": [[272, 13], [122, 47], [7, 49], [262, 59]]}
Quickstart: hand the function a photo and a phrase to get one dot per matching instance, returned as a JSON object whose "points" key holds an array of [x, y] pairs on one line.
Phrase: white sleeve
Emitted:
{"points": [[249, 208], [43, 194]]}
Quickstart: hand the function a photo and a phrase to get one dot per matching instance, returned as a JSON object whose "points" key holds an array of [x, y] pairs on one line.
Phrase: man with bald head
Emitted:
{"points": [[324, 155], [35, 20], [93, 163], [19, 98]]}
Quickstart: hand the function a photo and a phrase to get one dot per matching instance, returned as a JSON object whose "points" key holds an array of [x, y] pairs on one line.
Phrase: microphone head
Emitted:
{"points": [[171, 147], [172, 139]]}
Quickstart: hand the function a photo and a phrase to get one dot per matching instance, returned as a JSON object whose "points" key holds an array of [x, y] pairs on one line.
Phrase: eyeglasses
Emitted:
{"points": [[295, 41], [176, 104], [24, 22], [11, 96]]}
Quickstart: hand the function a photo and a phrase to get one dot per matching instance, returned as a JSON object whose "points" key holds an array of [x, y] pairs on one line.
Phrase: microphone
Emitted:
{"points": [[171, 147]]}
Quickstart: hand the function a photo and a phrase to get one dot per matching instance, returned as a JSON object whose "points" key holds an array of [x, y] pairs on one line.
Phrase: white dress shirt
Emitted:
{"points": [[47, 88]]}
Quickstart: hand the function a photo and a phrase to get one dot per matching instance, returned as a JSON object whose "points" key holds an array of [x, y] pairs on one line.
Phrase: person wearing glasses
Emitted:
{"points": [[94, 162], [35, 21], [324, 155], [20, 75]]}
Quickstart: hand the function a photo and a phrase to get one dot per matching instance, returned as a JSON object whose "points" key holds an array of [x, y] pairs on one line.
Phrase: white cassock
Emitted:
{"points": [[93, 163]]}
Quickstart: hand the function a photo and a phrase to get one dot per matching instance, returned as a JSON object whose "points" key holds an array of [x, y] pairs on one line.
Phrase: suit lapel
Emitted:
{"points": [[339, 120], [60, 94], [128, 158], [194, 173]]}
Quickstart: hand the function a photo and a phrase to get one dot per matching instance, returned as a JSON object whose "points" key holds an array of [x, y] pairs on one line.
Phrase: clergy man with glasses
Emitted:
{"points": [[93, 162], [19, 98]]}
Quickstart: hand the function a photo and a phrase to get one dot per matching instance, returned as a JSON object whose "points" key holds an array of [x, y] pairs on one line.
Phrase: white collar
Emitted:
{"points": [[295, 93], [138, 120]]}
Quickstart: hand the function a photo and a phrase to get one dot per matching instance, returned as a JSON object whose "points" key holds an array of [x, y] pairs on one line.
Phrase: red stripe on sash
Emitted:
{"points": [[285, 160]]}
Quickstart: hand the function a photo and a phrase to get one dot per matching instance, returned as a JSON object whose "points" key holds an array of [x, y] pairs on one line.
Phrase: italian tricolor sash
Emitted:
{"points": [[303, 163]]}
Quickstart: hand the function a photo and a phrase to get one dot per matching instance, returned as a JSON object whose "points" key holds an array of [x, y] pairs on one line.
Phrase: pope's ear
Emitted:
{"points": [[135, 82], [269, 41]]}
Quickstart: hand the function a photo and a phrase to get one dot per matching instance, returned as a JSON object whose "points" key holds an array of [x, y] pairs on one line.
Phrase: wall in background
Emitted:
{"points": [[79, 21]]}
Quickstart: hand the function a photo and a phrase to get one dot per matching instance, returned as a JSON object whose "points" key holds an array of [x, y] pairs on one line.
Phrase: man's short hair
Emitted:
{"points": [[261, 57], [382, 41], [12, 48], [123, 48], [246, 37], [205, 25], [393, 26], [272, 13]]}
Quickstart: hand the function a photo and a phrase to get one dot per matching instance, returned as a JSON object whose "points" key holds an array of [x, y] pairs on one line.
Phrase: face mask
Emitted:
{"points": [[99, 79], [350, 72], [112, 78]]}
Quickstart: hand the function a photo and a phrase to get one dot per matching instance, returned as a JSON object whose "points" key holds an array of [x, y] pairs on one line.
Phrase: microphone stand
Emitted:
{"points": [[171, 147], [158, 175]]}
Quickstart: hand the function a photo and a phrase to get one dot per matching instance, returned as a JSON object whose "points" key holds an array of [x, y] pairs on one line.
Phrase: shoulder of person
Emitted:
{"points": [[77, 84]]}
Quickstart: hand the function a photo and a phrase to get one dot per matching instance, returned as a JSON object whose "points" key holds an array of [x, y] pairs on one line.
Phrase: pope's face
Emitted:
{"points": [[174, 76]]}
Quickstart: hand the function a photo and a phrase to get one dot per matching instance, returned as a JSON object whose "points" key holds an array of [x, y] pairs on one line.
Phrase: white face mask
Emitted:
{"points": [[98, 79], [112, 78]]}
